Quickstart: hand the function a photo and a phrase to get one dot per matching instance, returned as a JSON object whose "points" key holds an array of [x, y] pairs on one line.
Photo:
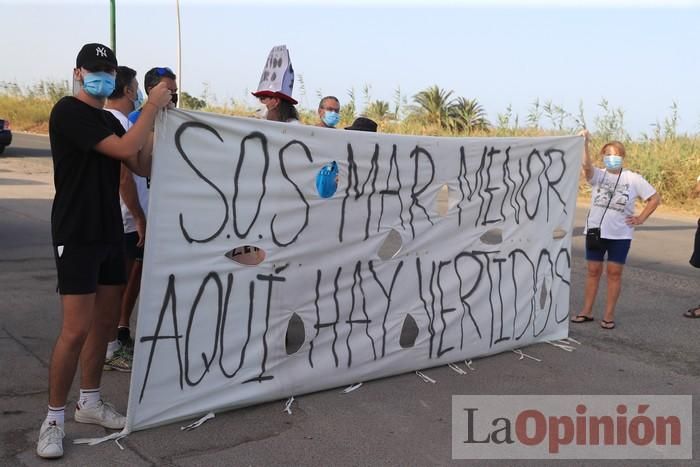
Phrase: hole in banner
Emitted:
{"points": [[295, 334], [543, 294], [391, 245], [492, 237], [409, 332], [559, 233], [442, 202], [247, 255]]}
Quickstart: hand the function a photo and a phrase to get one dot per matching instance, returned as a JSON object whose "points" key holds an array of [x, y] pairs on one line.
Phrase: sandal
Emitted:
{"points": [[581, 319], [607, 324], [693, 313]]}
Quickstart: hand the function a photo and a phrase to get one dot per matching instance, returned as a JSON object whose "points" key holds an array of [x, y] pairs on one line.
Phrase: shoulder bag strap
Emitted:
{"points": [[609, 199]]}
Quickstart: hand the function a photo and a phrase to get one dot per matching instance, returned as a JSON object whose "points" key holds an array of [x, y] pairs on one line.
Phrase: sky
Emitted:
{"points": [[640, 56]]}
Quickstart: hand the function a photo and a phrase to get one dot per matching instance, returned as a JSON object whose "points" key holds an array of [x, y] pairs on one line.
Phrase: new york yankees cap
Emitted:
{"points": [[95, 54]]}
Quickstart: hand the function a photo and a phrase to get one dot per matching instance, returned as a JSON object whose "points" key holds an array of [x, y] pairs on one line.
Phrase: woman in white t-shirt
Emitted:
{"points": [[614, 193]]}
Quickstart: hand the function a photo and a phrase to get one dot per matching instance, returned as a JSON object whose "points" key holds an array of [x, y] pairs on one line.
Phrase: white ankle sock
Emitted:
{"points": [[56, 415], [111, 348], [89, 397]]}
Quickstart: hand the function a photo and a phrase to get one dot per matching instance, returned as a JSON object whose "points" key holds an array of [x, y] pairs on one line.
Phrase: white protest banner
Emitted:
{"points": [[488, 274]]}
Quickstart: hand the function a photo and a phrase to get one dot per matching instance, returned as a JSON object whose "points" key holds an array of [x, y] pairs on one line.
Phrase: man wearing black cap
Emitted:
{"points": [[88, 144]]}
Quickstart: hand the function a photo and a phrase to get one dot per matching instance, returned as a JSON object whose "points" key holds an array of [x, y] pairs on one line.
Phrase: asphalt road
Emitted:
{"points": [[27, 145], [399, 420]]}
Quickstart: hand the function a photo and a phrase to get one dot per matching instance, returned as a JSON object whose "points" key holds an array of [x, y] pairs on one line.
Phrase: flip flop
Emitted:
{"points": [[607, 324], [582, 319], [693, 313]]}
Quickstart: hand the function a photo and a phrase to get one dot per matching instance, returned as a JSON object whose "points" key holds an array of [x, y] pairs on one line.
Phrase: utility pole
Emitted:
{"points": [[113, 25], [179, 55]]}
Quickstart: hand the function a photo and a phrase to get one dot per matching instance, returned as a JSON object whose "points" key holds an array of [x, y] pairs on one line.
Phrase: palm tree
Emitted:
{"points": [[434, 103], [378, 110], [467, 115]]}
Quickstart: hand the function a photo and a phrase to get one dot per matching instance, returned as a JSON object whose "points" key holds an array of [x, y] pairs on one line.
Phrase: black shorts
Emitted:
{"points": [[134, 252], [82, 267]]}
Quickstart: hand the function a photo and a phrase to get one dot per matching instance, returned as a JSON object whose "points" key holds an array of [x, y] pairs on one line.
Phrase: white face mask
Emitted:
{"points": [[261, 112]]}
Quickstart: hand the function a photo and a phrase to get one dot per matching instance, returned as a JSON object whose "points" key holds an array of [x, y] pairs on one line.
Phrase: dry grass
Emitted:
{"points": [[670, 162]]}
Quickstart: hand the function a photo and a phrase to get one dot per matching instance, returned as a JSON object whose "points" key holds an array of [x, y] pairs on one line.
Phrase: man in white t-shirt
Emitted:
{"points": [[612, 211], [133, 198], [133, 222]]}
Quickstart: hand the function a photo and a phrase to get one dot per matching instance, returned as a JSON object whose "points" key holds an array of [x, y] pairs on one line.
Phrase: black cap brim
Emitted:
{"points": [[99, 64]]}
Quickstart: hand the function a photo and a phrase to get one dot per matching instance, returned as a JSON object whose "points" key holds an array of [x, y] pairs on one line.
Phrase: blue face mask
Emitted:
{"points": [[138, 103], [98, 84], [612, 162], [331, 118]]}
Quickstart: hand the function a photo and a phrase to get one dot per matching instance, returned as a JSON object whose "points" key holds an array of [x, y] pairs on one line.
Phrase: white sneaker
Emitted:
{"points": [[50, 443], [102, 414]]}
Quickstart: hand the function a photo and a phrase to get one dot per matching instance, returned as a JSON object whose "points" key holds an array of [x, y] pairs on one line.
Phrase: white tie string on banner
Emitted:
{"points": [[425, 378], [198, 423], [351, 388], [288, 406]]}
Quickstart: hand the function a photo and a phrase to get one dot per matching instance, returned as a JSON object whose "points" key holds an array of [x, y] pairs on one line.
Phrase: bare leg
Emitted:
{"points": [[78, 315], [614, 273], [92, 357], [131, 293], [114, 331], [595, 269]]}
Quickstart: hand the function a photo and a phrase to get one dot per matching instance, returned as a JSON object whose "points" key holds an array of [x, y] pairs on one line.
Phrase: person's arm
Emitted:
{"points": [[145, 157], [587, 162], [127, 190], [651, 204], [127, 148]]}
